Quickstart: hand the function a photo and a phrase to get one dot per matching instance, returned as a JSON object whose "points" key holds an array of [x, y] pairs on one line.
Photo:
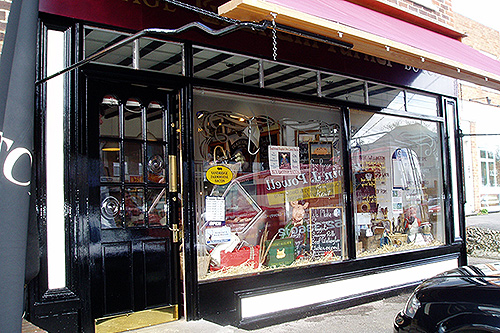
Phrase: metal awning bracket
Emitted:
{"points": [[157, 32]]}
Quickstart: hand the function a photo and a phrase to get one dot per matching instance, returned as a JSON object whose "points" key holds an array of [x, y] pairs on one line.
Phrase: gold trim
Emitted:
{"points": [[136, 320], [172, 173]]}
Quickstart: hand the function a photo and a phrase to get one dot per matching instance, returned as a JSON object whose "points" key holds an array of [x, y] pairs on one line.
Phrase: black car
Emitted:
{"points": [[465, 299]]}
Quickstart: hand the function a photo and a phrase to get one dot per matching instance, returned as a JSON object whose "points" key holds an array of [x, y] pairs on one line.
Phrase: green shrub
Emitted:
{"points": [[483, 211]]}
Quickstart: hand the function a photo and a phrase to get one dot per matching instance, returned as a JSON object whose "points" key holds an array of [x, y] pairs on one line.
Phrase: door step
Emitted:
{"points": [[136, 320]]}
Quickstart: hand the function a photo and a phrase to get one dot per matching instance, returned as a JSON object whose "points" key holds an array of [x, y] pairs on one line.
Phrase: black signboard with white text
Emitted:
{"points": [[326, 231]]}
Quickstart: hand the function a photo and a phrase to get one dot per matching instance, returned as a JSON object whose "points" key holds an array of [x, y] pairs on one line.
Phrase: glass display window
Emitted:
{"points": [[269, 182], [397, 182]]}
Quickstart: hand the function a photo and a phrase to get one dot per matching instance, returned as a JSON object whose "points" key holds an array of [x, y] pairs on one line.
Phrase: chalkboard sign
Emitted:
{"points": [[365, 192], [326, 230]]}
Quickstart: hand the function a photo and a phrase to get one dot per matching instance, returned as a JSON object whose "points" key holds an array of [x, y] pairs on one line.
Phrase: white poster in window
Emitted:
{"points": [[284, 160], [397, 202], [215, 209], [217, 235]]}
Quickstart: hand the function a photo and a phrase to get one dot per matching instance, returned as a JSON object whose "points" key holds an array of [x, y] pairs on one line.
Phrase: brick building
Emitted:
{"points": [[478, 112]]}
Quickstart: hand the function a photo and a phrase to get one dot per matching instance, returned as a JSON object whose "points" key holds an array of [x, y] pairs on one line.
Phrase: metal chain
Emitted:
{"points": [[275, 40]]}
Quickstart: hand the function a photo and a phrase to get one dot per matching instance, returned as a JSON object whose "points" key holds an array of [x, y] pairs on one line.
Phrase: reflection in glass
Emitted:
{"points": [[133, 118], [156, 163], [492, 173], [290, 78], [273, 201], [134, 207], [386, 97], [343, 88], [421, 104], [228, 67], [110, 207], [97, 39], [154, 121], [398, 185], [133, 155], [109, 116], [110, 161], [157, 207], [484, 173], [126, 155]]}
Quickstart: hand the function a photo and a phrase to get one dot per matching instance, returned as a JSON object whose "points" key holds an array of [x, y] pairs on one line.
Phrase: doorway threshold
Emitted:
{"points": [[135, 320]]}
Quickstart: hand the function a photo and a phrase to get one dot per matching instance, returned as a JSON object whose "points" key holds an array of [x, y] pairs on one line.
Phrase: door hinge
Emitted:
{"points": [[176, 233]]}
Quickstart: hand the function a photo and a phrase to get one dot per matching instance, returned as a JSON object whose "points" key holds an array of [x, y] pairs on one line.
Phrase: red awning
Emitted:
{"points": [[375, 33]]}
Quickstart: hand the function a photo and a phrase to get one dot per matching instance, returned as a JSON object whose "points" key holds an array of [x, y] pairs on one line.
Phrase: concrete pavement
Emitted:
{"points": [[370, 317], [489, 221]]}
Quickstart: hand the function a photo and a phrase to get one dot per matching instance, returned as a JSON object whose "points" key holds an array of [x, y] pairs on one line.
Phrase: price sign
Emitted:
{"points": [[326, 230]]}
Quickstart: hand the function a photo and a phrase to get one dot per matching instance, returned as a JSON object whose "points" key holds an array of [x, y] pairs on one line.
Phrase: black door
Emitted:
{"points": [[134, 257]]}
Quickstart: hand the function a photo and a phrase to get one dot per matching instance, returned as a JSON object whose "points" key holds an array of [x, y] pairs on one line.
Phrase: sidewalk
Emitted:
{"points": [[375, 316], [369, 317]]}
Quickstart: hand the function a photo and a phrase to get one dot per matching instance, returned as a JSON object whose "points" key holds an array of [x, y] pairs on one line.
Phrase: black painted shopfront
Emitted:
{"points": [[204, 179]]}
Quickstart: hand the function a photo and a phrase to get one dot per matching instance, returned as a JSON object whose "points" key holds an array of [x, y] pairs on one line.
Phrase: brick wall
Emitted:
{"points": [[484, 39], [479, 36], [441, 13]]}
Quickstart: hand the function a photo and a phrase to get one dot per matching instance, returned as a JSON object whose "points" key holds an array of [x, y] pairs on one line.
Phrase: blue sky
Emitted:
{"points": [[483, 11]]}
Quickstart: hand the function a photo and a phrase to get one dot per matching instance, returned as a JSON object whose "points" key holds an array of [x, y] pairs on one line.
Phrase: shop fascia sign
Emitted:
{"points": [[11, 159]]}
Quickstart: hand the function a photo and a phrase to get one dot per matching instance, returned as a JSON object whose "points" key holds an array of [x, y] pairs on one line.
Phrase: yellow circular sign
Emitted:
{"points": [[219, 175]]}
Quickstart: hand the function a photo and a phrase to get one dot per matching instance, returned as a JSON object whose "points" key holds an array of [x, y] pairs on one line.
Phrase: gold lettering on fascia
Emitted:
{"points": [[153, 4], [360, 56]]}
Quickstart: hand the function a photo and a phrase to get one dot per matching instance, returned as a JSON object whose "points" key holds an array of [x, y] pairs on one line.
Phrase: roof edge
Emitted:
{"points": [[407, 16]]}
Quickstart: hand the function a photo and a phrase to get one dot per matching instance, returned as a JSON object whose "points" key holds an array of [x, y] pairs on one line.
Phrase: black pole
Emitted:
{"points": [[17, 77]]}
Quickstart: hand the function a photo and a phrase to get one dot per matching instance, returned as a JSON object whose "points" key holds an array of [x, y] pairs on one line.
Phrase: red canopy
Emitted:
{"points": [[382, 35]]}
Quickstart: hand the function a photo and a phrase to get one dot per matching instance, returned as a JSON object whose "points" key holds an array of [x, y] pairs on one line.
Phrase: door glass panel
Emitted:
{"points": [[109, 112], [156, 163], [133, 118], [111, 207], [134, 207], [157, 207], [155, 121], [110, 161], [133, 162]]}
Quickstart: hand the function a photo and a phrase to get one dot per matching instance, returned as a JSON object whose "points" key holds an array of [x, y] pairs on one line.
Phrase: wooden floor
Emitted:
{"points": [[30, 328]]}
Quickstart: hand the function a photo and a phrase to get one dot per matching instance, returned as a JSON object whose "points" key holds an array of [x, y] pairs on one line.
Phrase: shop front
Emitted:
{"points": [[243, 178]]}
